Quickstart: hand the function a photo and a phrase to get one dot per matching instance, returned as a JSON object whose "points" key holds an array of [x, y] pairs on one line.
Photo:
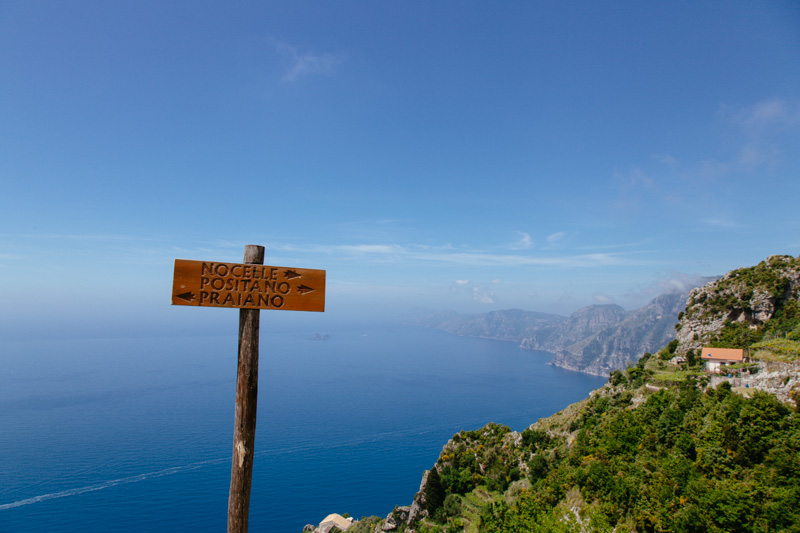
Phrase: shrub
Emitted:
{"points": [[452, 505], [617, 378], [538, 467], [536, 438]]}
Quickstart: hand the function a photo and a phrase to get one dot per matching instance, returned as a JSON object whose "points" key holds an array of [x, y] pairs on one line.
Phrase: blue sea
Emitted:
{"points": [[135, 434]]}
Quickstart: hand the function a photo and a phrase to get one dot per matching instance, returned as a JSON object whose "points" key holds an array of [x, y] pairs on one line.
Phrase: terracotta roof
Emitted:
{"points": [[722, 354]]}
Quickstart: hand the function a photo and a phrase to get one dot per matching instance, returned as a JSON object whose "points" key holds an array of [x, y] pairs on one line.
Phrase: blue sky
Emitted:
{"points": [[451, 155]]}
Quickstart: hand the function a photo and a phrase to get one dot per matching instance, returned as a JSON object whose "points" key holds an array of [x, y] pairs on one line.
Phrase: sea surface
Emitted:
{"points": [[134, 435]]}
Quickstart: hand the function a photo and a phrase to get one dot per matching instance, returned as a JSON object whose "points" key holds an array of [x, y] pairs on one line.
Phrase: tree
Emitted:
{"points": [[537, 467], [672, 346], [434, 492]]}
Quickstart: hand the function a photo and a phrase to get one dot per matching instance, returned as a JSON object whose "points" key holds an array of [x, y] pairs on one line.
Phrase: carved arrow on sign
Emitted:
{"points": [[187, 296], [302, 289], [291, 274]]}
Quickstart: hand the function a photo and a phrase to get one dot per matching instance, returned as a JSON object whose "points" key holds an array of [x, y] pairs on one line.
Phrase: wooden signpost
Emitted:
{"points": [[249, 286]]}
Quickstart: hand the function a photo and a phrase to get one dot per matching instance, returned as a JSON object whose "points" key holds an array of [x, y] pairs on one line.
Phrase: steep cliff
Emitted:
{"points": [[582, 324], [743, 306], [614, 346], [595, 339]]}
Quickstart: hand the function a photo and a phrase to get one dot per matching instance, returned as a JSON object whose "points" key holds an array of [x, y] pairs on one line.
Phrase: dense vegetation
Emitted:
{"points": [[684, 459], [367, 524]]}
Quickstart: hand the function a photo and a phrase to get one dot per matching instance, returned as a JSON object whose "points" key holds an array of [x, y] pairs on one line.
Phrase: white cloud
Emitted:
{"points": [[555, 237], [483, 296], [637, 177], [372, 248], [769, 110], [524, 243], [303, 64], [602, 298], [460, 286], [459, 256], [761, 127], [722, 223], [670, 283], [477, 293], [765, 115], [636, 189], [632, 244], [757, 139], [667, 160]]}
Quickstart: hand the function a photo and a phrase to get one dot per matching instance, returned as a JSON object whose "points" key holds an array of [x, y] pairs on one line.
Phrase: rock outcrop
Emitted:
{"points": [[407, 514], [749, 296]]}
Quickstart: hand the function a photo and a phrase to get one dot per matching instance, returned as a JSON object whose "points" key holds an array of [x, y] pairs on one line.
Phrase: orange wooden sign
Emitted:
{"points": [[212, 284]]}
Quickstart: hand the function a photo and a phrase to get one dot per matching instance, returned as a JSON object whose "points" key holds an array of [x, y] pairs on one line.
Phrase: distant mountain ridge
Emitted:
{"points": [[595, 339]]}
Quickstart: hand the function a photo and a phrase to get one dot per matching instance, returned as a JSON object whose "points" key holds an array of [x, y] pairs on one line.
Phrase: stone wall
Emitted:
{"points": [[779, 379]]}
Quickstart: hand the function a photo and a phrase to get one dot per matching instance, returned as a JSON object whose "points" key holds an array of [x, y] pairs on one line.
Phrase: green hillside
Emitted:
{"points": [[638, 455], [662, 447]]}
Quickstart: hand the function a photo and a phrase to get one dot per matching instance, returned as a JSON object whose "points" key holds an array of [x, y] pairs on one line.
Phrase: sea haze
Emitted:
{"points": [[135, 435]]}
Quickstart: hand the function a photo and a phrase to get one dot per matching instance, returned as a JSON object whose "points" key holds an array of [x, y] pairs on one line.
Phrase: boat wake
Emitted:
{"points": [[301, 448], [110, 483]]}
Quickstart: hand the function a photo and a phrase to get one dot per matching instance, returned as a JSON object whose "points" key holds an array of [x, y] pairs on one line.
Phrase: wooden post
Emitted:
{"points": [[244, 431], [248, 288]]}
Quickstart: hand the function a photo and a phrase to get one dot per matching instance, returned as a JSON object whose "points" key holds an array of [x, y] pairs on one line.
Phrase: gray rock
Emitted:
{"points": [[417, 510], [390, 524], [595, 339], [775, 378], [738, 297]]}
